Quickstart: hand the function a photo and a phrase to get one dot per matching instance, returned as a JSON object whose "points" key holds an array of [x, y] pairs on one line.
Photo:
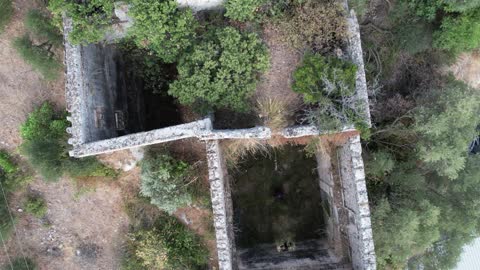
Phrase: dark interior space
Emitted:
{"points": [[276, 200], [228, 119]]}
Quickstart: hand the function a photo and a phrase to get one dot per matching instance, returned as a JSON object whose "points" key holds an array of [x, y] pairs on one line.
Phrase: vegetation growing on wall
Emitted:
{"points": [[222, 70], [242, 10], [45, 146], [90, 19]]}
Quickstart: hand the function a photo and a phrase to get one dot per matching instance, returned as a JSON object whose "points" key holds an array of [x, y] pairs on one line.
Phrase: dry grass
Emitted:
{"points": [[274, 112], [238, 149]]}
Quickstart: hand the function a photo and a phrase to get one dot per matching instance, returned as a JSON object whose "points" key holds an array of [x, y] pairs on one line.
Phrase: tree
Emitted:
{"points": [[162, 27], [446, 124], [164, 181], [222, 70]]}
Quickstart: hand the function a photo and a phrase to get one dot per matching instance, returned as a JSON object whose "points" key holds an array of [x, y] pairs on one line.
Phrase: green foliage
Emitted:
{"points": [[447, 124], [40, 58], [6, 225], [45, 145], [360, 6], [316, 25], [41, 26], [168, 245], [36, 205], [6, 11], [402, 232], [460, 33], [242, 10], [329, 85], [162, 27], [90, 19], [164, 181], [21, 263], [379, 164], [430, 8], [6, 163], [319, 77], [222, 70]]}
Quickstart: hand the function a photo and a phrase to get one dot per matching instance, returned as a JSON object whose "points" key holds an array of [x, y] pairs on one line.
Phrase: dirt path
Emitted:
{"points": [[276, 83], [467, 68], [21, 88]]}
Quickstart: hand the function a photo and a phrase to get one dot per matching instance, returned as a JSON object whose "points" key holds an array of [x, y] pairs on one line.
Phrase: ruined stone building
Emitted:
{"points": [[107, 114]]}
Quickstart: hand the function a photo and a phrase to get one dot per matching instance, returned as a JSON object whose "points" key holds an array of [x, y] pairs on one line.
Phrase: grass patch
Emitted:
{"points": [[39, 57], [274, 113], [6, 12], [36, 205], [41, 27]]}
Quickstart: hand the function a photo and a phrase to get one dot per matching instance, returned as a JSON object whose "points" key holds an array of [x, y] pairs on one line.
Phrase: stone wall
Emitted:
{"points": [[355, 205], [221, 206]]}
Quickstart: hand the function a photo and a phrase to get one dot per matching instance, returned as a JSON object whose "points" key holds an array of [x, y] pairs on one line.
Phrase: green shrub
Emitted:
{"points": [[319, 77], [6, 11], [379, 164], [38, 57], [320, 26], [45, 146], [90, 19], [164, 181], [21, 263], [460, 33], [41, 26], [430, 8], [169, 245], [222, 70], [446, 124], [328, 85], [6, 163], [6, 225], [162, 27], [242, 10], [35, 205]]}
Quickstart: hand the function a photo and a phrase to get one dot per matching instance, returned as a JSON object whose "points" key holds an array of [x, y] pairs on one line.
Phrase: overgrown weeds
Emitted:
{"points": [[42, 28], [36, 205], [274, 112], [238, 149]]}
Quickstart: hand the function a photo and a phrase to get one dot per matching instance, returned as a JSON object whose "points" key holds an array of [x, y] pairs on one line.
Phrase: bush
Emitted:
{"points": [[35, 205], [38, 57], [328, 85], [45, 146], [242, 10], [222, 70], [460, 33], [41, 26], [320, 26], [169, 245], [90, 19], [164, 181], [21, 263], [162, 27], [6, 163], [6, 11]]}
